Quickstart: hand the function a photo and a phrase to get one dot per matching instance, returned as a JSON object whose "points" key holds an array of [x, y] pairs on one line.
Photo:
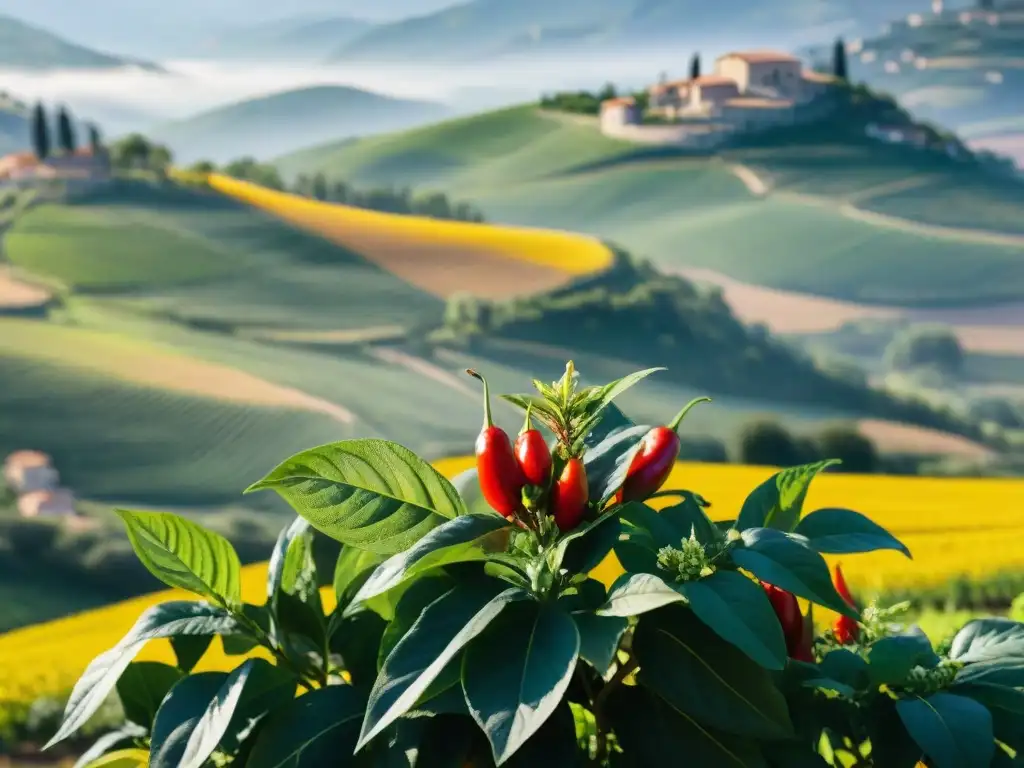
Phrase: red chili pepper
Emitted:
{"points": [[845, 629], [533, 455], [788, 611], [805, 650], [501, 479], [654, 459], [570, 495]]}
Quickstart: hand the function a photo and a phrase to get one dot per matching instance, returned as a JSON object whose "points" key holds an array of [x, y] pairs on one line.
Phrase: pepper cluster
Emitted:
{"points": [[796, 628], [528, 481]]}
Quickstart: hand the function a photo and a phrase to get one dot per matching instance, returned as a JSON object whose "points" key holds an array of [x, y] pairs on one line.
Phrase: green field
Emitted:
{"points": [[202, 258], [524, 167]]}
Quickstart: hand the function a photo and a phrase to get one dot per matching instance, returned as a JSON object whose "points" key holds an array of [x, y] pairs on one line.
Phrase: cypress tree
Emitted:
{"points": [[65, 132], [95, 142], [839, 59], [40, 132], [695, 66]]}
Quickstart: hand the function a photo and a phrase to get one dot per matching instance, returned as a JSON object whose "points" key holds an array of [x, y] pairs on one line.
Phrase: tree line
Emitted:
{"points": [[318, 186], [44, 143]]}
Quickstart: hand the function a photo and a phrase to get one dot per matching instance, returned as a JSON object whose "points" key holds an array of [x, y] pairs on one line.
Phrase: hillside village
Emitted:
{"points": [[747, 91]]}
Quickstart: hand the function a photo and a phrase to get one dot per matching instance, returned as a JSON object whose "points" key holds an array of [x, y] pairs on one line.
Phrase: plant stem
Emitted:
{"points": [[624, 671], [280, 655]]}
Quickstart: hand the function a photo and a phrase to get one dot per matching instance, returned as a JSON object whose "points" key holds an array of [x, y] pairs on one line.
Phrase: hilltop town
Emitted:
{"points": [[748, 90]]}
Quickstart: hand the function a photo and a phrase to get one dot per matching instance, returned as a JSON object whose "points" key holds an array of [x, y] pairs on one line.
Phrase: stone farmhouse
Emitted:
{"points": [[748, 91], [83, 167], [31, 476]]}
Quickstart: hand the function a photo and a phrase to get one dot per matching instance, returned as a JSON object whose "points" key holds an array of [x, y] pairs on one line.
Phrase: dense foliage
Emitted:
{"points": [[635, 312], [468, 632], [436, 205]]}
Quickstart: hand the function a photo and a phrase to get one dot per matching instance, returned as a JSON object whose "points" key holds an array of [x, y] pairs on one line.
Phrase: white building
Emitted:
{"points": [[618, 112], [709, 92]]}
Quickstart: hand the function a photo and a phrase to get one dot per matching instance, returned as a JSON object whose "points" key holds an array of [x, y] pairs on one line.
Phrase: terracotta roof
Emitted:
{"points": [[758, 103], [714, 80], [817, 77], [621, 101], [760, 57], [27, 458]]}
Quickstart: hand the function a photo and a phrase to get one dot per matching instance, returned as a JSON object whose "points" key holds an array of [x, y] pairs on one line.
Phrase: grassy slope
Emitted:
{"points": [[204, 258], [526, 168]]}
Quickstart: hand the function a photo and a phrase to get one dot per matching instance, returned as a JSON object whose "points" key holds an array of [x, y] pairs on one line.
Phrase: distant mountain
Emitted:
{"points": [[25, 46], [479, 29], [296, 39], [167, 30], [278, 123]]}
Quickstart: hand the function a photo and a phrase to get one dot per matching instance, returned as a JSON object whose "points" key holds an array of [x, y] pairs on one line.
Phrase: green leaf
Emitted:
{"points": [[242, 640], [688, 516], [845, 532], [313, 730], [679, 654], [371, 494], [441, 631], [181, 617], [788, 561], [189, 649], [1008, 672], [416, 599], [845, 667], [465, 539], [185, 555], [788, 755], [635, 593], [778, 501], [515, 674], [275, 569], [890, 659], [178, 716], [992, 696], [988, 640], [300, 619], [141, 688], [649, 729], [123, 758], [123, 738], [953, 731], [554, 744], [249, 692], [599, 639], [739, 612], [606, 394], [356, 641], [299, 575], [607, 461], [351, 570], [584, 554]]}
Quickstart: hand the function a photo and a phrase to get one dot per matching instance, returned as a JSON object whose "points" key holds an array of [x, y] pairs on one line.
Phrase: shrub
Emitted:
{"points": [[463, 636], [926, 347], [856, 452]]}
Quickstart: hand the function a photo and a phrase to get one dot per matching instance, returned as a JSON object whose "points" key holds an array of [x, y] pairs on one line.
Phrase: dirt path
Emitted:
{"points": [[760, 187], [17, 294], [997, 329]]}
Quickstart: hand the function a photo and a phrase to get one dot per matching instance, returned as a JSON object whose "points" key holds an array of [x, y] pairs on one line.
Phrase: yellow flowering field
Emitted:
{"points": [[566, 252], [952, 526]]}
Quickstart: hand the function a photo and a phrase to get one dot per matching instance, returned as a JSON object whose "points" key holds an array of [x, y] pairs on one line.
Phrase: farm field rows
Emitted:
{"points": [[685, 212], [929, 515]]}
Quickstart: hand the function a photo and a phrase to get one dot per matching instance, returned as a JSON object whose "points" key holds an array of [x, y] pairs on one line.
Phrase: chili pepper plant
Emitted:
{"points": [[469, 632]]}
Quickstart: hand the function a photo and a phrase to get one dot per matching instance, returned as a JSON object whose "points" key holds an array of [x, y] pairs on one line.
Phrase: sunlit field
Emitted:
{"points": [[947, 524]]}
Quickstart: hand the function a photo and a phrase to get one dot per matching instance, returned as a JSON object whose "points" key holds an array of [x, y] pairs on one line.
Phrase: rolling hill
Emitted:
{"points": [[797, 215], [280, 122], [25, 46], [479, 29]]}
